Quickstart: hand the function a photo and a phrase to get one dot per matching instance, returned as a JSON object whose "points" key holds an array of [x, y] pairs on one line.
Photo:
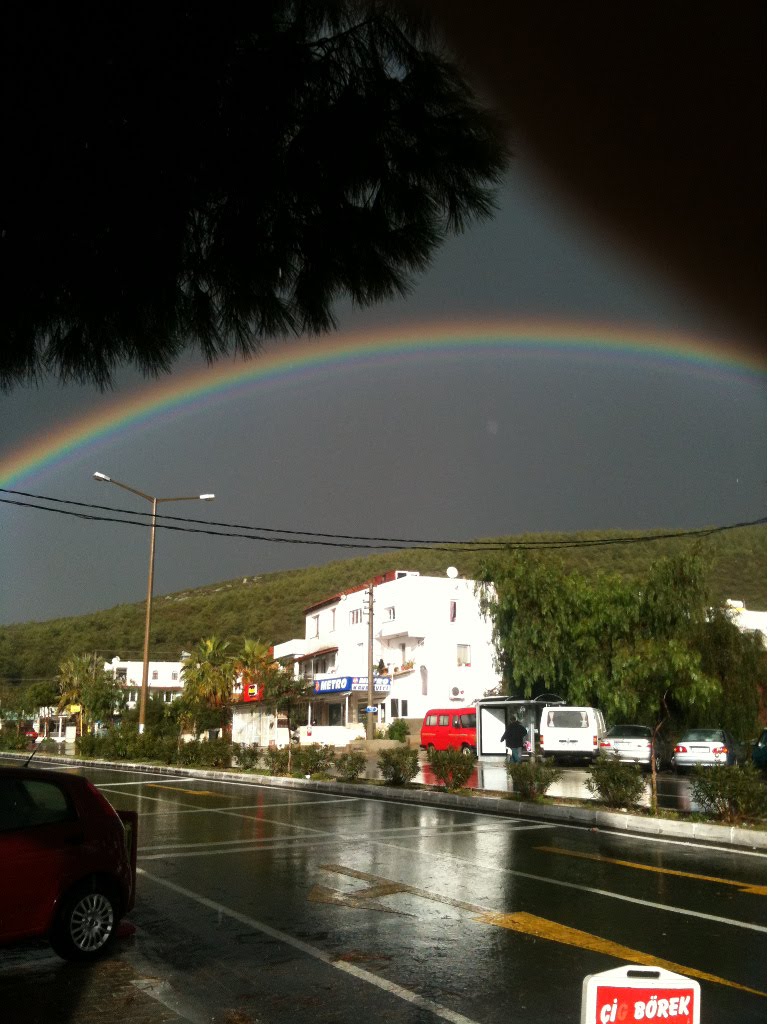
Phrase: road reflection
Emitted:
{"points": [[674, 792]]}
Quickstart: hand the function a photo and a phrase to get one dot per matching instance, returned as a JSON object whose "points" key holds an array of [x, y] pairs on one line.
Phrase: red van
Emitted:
{"points": [[450, 728]]}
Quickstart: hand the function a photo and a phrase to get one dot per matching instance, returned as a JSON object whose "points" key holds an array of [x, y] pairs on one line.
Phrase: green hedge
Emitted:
{"points": [[451, 768], [615, 783], [531, 779], [729, 793], [350, 765], [399, 766]]}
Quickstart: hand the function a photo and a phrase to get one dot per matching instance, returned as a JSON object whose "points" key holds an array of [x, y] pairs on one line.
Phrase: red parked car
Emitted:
{"points": [[67, 862]]}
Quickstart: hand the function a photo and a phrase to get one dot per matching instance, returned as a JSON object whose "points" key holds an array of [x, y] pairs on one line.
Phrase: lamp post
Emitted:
{"points": [[102, 477], [369, 721]]}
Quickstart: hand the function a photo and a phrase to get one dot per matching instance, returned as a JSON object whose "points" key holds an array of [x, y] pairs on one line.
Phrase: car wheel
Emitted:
{"points": [[86, 923]]}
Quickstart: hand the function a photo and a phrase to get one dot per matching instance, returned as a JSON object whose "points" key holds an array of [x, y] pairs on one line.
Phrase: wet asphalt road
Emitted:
{"points": [[256, 904]]}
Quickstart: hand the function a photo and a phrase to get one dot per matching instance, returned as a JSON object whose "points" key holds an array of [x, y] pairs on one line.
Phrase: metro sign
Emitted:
{"points": [[639, 993]]}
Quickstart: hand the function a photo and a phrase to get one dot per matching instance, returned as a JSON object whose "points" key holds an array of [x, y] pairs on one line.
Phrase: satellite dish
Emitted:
{"points": [[452, 572]]}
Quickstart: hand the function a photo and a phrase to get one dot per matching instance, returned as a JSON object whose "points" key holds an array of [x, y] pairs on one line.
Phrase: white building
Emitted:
{"points": [[431, 648], [165, 678], [746, 620]]}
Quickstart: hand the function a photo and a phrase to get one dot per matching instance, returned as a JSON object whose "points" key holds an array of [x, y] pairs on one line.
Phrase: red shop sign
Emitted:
{"points": [[634, 993]]}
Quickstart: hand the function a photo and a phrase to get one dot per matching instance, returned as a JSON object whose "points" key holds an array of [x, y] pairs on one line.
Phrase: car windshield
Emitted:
{"points": [[635, 732], [703, 735]]}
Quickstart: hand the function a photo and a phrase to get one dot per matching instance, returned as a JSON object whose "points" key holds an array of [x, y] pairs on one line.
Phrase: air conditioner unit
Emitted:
{"points": [[456, 693]]}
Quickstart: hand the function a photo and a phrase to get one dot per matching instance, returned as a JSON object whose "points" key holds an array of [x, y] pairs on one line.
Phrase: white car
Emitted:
{"points": [[704, 746], [630, 743]]}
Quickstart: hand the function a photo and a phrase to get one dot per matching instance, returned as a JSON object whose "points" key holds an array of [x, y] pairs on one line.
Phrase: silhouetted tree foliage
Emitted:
{"points": [[189, 173]]}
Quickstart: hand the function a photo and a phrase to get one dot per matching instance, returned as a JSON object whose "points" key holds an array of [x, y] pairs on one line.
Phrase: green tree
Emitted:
{"points": [[254, 663], [43, 695], [75, 671], [272, 161], [630, 646], [208, 673], [13, 702], [737, 660], [162, 719], [656, 667], [103, 697], [285, 692], [82, 680], [528, 602]]}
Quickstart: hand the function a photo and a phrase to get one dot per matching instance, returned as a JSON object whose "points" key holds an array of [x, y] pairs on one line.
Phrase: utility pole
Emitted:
{"points": [[369, 721]]}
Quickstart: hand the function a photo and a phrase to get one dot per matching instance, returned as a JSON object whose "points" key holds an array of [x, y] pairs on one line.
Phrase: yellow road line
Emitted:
{"points": [[745, 887], [529, 924], [181, 789]]}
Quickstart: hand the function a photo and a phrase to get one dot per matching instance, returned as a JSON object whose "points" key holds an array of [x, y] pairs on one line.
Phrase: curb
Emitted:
{"points": [[611, 821]]}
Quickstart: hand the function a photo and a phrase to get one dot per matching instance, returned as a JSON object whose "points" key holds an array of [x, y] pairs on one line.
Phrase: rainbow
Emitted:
{"points": [[230, 377]]}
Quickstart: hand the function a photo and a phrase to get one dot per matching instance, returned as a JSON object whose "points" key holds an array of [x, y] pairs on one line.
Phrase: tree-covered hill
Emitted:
{"points": [[271, 607]]}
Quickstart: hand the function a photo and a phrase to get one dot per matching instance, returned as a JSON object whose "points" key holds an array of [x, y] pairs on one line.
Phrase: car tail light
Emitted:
{"points": [[680, 749], [594, 741], [719, 750], [605, 743]]}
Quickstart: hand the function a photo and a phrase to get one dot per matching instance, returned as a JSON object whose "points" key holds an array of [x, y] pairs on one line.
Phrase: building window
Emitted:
{"points": [[463, 656], [452, 611], [403, 708], [389, 614], [174, 676], [154, 674], [356, 616], [167, 697], [394, 705], [314, 630], [121, 675], [333, 619]]}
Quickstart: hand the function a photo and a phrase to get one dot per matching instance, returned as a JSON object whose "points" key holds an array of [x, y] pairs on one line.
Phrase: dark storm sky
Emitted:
{"points": [[433, 445]]}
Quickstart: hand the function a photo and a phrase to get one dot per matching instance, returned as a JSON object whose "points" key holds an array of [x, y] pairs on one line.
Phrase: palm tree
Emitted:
{"points": [[254, 663], [75, 672], [208, 674]]}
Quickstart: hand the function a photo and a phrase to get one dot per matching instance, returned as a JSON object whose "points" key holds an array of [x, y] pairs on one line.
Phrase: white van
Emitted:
{"points": [[567, 733]]}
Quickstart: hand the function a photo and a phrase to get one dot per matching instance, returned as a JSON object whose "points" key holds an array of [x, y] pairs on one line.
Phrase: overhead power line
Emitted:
{"points": [[316, 538]]}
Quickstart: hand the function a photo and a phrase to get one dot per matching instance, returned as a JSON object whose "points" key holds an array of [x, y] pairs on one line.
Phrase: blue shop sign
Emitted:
{"points": [[348, 684]]}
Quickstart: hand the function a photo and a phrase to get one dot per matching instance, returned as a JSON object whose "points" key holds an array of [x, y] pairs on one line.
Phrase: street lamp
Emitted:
{"points": [[102, 477]]}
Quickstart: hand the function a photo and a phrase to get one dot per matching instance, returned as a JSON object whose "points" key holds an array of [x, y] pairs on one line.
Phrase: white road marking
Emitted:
{"points": [[318, 954], [479, 866]]}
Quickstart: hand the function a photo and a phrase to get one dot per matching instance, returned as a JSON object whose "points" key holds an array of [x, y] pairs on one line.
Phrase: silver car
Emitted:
{"points": [[630, 743], [704, 746]]}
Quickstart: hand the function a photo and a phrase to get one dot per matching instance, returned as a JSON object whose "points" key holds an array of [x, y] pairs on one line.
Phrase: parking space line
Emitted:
{"points": [[539, 927], [318, 954], [745, 887], [214, 850]]}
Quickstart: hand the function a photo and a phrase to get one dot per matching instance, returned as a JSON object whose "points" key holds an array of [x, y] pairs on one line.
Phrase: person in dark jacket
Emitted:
{"points": [[514, 737]]}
